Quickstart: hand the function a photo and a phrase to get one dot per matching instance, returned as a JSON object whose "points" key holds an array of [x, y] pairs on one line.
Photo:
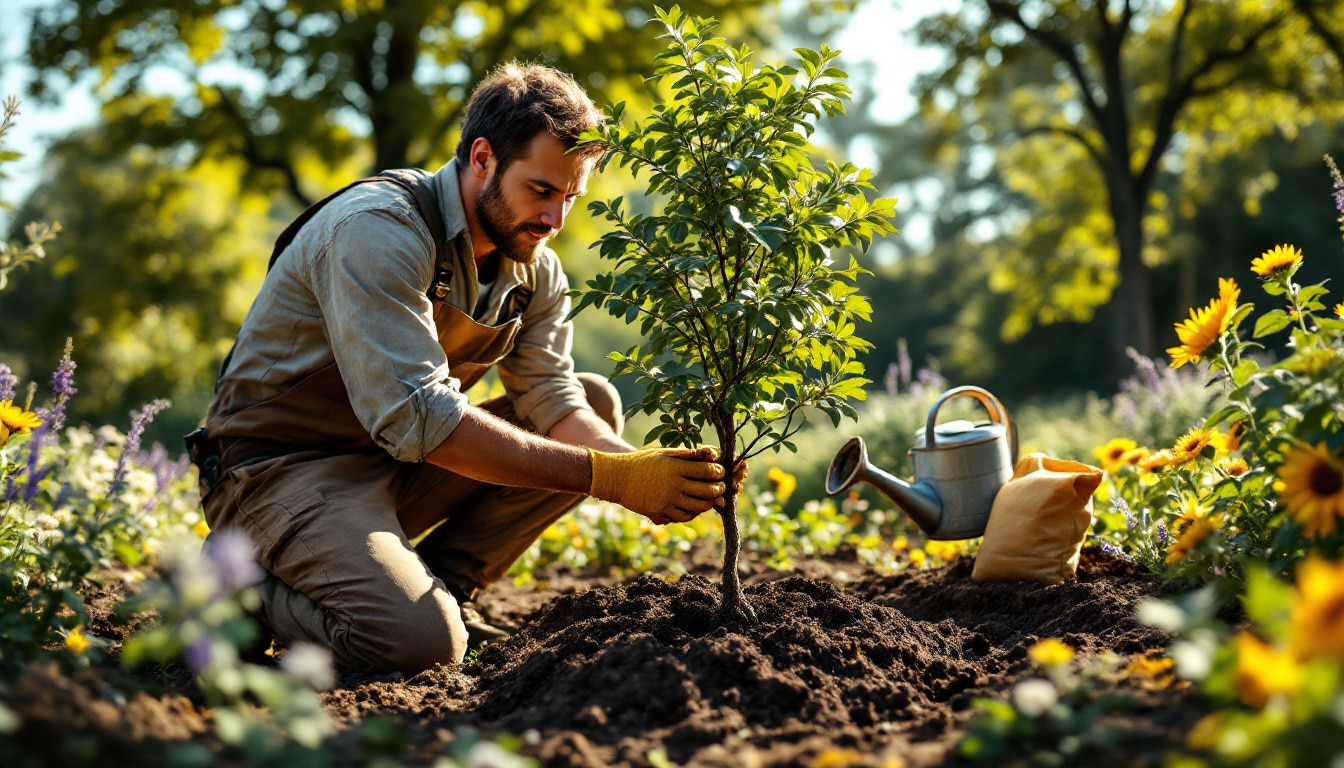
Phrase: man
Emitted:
{"points": [[339, 432]]}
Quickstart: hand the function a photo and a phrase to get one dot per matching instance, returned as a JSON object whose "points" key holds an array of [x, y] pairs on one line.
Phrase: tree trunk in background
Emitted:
{"points": [[1132, 319]]}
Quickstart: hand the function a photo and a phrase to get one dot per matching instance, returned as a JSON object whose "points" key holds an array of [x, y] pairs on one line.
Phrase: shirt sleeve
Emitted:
{"points": [[539, 373], [370, 281]]}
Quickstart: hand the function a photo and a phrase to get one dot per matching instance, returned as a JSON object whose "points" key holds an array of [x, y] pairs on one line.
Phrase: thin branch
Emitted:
{"points": [[1071, 133], [253, 154], [1061, 47]]}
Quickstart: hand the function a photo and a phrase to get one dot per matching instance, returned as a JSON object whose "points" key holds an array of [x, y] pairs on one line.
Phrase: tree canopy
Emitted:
{"points": [[297, 87], [1099, 117]]}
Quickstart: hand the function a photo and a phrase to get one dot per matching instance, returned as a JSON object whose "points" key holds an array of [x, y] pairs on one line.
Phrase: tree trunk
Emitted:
{"points": [[734, 607], [1132, 316]]}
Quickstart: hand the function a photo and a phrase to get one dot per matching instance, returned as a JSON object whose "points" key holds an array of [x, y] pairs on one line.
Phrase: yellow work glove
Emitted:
{"points": [[663, 484]]}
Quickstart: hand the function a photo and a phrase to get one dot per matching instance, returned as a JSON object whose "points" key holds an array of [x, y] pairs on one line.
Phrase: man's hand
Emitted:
{"points": [[663, 484]]}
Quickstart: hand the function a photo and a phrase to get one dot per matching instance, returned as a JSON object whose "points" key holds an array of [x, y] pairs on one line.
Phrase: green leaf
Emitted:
{"points": [[1271, 322]]}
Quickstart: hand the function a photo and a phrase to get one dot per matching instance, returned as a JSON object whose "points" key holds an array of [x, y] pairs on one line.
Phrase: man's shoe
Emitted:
{"points": [[480, 633]]}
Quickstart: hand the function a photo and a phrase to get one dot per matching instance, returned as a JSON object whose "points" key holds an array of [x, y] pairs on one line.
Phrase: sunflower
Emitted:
{"points": [[1158, 460], [1190, 511], [1112, 454], [1135, 456], [1339, 309], [1196, 533], [1234, 467], [1232, 440], [1318, 612], [1313, 488], [15, 420], [1264, 671], [1275, 262], [1194, 442], [1205, 325]]}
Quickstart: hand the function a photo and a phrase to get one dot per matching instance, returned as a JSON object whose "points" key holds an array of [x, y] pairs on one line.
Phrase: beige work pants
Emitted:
{"points": [[333, 533]]}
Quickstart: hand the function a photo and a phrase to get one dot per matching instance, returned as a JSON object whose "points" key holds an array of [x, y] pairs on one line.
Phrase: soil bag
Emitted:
{"points": [[1038, 521]]}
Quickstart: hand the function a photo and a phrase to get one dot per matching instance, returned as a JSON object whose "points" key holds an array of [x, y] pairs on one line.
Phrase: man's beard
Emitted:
{"points": [[512, 238]]}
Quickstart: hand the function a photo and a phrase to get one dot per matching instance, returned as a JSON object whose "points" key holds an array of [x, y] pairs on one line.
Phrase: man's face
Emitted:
{"points": [[526, 205]]}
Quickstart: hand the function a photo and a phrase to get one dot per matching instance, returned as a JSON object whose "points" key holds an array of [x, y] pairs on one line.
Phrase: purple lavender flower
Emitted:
{"points": [[891, 380], [132, 446], [234, 558], [1162, 535], [8, 381], [1114, 551], [35, 472], [62, 388], [199, 653], [1338, 186]]}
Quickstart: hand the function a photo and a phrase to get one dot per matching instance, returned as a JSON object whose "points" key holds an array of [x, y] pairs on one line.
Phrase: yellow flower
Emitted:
{"points": [[1313, 488], [1158, 460], [1205, 325], [945, 550], [1194, 534], [1191, 510], [76, 642], [15, 420], [1339, 309], [835, 757], [899, 543], [1156, 669], [1051, 652], [1192, 443], [1318, 613], [784, 483], [1263, 671], [1274, 262], [1112, 454], [1232, 441], [1234, 467], [201, 528], [918, 558], [1135, 456]]}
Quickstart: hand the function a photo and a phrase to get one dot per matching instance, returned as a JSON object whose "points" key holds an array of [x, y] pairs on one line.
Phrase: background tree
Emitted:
{"points": [[288, 87], [1102, 117], [746, 321], [153, 272]]}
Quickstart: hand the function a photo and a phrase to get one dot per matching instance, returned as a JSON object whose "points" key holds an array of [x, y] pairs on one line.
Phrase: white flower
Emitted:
{"points": [[311, 664], [487, 754], [47, 522], [1034, 696]]}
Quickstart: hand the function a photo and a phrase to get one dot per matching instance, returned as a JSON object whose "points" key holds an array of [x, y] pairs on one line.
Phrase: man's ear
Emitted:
{"points": [[482, 158]]}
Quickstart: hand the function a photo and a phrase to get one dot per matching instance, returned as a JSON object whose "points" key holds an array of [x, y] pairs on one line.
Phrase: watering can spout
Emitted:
{"points": [[851, 465]]}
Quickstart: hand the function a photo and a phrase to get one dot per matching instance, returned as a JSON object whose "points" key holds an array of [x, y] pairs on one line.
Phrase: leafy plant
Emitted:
{"points": [[746, 318]]}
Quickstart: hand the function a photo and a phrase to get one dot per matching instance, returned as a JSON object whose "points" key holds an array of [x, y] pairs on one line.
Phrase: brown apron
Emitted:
{"points": [[316, 413]]}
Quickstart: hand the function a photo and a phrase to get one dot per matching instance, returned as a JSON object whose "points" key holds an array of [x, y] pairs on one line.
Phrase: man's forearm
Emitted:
{"points": [[491, 450], [585, 428]]}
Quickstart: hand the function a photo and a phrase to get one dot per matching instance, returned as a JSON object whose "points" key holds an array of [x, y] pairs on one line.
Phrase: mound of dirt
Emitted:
{"points": [[604, 672]]}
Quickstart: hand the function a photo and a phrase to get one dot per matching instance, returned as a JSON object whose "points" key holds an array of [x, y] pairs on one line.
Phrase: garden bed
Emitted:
{"points": [[846, 667]]}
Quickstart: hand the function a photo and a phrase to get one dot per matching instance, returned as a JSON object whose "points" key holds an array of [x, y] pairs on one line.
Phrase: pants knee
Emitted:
{"points": [[421, 634], [604, 399]]}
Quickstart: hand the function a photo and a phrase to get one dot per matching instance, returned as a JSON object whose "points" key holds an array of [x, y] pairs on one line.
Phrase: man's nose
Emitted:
{"points": [[553, 215]]}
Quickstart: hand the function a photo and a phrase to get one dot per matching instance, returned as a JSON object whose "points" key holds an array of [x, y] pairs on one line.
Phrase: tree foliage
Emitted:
{"points": [[1101, 115], [294, 86], [151, 277], [747, 319]]}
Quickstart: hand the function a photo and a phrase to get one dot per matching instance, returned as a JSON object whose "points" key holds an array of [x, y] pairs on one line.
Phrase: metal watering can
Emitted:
{"points": [[959, 468]]}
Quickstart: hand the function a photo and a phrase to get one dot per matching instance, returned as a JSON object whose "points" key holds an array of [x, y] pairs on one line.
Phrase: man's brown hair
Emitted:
{"points": [[516, 101]]}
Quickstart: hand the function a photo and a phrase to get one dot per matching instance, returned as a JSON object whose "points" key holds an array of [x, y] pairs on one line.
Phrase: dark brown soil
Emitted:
{"points": [[603, 671]]}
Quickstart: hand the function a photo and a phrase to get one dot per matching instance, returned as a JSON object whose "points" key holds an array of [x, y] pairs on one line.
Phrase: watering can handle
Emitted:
{"points": [[993, 407]]}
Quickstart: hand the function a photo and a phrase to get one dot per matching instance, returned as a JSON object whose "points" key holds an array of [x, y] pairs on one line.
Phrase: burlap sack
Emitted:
{"points": [[1038, 521]]}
